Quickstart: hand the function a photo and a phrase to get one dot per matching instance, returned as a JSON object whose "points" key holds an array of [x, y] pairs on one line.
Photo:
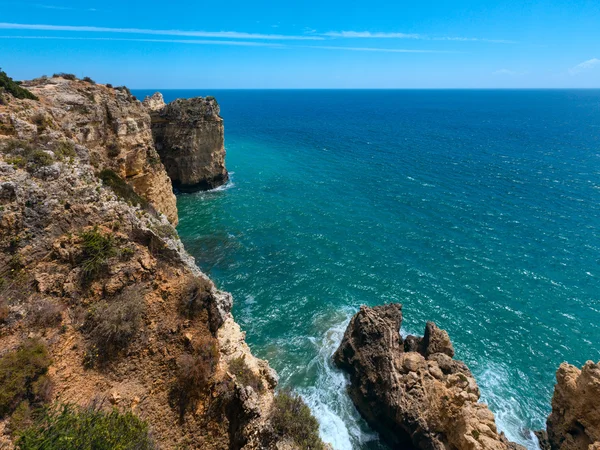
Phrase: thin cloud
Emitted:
{"points": [[378, 35], [374, 49], [167, 41], [465, 39], [206, 34], [62, 8], [370, 35], [235, 43], [586, 65]]}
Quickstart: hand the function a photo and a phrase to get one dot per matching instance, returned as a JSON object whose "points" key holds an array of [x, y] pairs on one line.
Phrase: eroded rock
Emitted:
{"points": [[412, 392], [189, 138], [574, 423]]}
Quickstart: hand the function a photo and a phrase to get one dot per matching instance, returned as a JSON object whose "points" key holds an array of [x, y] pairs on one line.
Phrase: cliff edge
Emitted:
{"points": [[100, 305]]}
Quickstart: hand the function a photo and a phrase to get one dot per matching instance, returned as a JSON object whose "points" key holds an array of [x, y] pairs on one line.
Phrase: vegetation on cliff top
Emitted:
{"points": [[13, 87]]}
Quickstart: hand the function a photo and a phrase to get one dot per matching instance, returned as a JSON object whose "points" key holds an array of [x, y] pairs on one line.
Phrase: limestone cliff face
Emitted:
{"points": [[574, 423], [53, 277], [189, 137], [110, 123], [412, 391]]}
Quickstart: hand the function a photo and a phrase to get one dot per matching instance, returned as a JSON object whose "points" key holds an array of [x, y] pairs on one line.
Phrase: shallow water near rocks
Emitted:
{"points": [[478, 210]]}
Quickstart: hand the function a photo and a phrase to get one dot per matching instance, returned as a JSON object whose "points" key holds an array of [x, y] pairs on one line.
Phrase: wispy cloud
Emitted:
{"points": [[370, 35], [205, 34], [379, 35], [374, 49], [586, 65], [221, 42], [62, 8], [466, 39], [167, 41]]}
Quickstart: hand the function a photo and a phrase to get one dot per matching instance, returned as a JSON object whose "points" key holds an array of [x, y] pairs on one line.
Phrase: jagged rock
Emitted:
{"points": [[156, 102], [189, 137], [413, 393], [574, 423]]}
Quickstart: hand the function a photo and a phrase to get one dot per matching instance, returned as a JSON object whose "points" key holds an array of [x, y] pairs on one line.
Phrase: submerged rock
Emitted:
{"points": [[574, 423], [412, 392], [189, 137]]}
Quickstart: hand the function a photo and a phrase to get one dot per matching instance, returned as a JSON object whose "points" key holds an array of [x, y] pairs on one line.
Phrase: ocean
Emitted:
{"points": [[476, 209]]}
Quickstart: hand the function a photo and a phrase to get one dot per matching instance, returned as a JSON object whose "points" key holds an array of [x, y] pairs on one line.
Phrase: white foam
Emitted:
{"points": [[497, 392], [338, 419]]}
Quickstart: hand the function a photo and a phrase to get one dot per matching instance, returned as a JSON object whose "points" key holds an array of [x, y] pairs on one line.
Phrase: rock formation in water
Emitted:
{"points": [[96, 277], [411, 391], [574, 423], [189, 137]]}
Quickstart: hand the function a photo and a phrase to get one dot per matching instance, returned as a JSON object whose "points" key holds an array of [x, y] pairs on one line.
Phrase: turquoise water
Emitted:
{"points": [[479, 210]]}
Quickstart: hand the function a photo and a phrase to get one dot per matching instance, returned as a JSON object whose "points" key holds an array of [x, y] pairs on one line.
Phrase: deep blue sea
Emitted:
{"points": [[479, 210]]}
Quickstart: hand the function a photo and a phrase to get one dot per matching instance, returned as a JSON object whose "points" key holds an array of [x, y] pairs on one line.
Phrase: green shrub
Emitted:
{"points": [[24, 156], [291, 418], [96, 249], [13, 88], [122, 188], [244, 375], [41, 121], [210, 98], [19, 370], [88, 80], [64, 150], [73, 428], [112, 326], [66, 76], [194, 372]]}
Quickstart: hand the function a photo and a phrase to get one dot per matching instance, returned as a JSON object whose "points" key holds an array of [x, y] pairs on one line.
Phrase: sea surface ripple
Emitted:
{"points": [[479, 210]]}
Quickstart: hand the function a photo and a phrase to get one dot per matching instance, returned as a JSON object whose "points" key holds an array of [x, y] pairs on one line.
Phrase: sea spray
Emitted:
{"points": [[340, 422]]}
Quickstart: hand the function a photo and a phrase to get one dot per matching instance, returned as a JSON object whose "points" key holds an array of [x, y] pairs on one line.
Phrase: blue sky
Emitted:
{"points": [[307, 44]]}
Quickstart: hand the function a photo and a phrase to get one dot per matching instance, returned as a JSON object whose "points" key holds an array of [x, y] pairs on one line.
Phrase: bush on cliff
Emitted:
{"points": [[96, 249], [112, 325], [244, 375], [195, 296], [194, 372], [292, 419], [73, 428], [22, 155], [20, 374], [66, 76], [13, 88]]}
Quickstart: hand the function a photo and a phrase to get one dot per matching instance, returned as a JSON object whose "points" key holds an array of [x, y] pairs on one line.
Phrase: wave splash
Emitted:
{"points": [[340, 423]]}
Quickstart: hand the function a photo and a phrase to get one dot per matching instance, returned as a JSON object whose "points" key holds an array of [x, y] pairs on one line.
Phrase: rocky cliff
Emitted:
{"points": [[574, 423], [109, 123], [189, 137], [93, 275], [412, 391]]}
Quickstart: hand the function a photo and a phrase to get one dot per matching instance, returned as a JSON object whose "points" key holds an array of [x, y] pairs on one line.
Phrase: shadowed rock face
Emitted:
{"points": [[574, 423], [412, 391], [189, 137]]}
